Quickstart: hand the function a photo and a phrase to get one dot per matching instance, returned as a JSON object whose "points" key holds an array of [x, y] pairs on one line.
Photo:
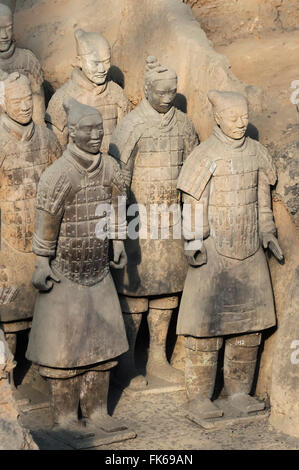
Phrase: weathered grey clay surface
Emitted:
{"points": [[20, 137], [13, 436], [151, 144], [89, 84], [76, 291], [227, 289], [160, 423], [14, 59]]}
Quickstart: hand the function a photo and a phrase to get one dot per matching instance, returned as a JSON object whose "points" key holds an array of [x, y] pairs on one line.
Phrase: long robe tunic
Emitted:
{"points": [[26, 151], [79, 321], [231, 293], [151, 148]]}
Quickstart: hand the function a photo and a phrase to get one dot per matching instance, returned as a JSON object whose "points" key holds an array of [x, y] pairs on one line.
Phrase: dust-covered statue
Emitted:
{"points": [[227, 294], [15, 59], [151, 144], [27, 149], [89, 84], [78, 330]]}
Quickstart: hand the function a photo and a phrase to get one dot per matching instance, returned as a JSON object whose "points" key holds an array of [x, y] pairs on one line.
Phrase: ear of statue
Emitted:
{"points": [[72, 132], [217, 118], [78, 62]]}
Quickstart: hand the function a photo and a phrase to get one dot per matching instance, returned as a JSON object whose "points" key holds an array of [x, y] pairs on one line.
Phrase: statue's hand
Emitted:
{"points": [[43, 276], [195, 256], [120, 258], [271, 242]]}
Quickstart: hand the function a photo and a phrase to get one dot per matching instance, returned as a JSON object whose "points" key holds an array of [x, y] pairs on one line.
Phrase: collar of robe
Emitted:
{"points": [[9, 53], [158, 119], [85, 162], [18, 131], [83, 82], [236, 144]]}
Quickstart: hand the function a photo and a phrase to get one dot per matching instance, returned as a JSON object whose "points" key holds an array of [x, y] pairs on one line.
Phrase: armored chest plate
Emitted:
{"points": [[20, 173], [81, 256], [157, 166], [233, 207]]}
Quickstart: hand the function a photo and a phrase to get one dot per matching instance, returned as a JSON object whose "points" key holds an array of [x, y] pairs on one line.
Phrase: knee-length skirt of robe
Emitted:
{"points": [[226, 296], [75, 325]]}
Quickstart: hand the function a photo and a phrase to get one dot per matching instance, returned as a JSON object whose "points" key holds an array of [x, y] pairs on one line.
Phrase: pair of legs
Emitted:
{"points": [[89, 390], [239, 367], [11, 330], [159, 315]]}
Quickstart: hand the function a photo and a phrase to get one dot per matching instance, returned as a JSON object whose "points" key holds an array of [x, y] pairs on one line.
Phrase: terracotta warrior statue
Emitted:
{"points": [[90, 85], [15, 59], [78, 330], [26, 151], [227, 294], [151, 144]]}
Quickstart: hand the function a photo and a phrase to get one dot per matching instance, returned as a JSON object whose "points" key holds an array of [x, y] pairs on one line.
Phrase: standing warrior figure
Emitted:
{"points": [[26, 151], [90, 85], [78, 330], [228, 290], [14, 59], [151, 144]]}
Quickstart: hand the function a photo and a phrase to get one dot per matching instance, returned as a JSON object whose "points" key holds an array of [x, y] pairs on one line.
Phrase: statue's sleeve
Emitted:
{"points": [[123, 146], [53, 189], [118, 221], [55, 148], [266, 178], [37, 79], [191, 138], [124, 106], [56, 118], [195, 216], [196, 173]]}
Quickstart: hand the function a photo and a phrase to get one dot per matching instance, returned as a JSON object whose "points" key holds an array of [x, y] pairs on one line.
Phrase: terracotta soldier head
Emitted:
{"points": [[93, 55], [17, 98], [230, 112], [160, 86], [6, 27], [85, 125]]}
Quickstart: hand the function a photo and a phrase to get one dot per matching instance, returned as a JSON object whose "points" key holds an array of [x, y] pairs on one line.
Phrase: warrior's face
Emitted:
{"points": [[96, 65], [233, 121], [18, 103], [6, 32], [161, 94], [88, 134]]}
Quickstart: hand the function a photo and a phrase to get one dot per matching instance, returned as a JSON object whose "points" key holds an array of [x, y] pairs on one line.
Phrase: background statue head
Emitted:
{"points": [[17, 98], [93, 55], [85, 126], [6, 27], [160, 85], [230, 112]]}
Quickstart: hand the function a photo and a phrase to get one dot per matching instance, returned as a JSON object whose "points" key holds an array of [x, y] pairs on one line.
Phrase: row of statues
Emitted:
{"points": [[94, 151]]}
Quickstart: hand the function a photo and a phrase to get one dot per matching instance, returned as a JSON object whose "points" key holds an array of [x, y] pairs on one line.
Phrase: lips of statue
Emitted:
{"points": [[161, 94], [96, 65], [6, 33], [233, 121], [19, 105], [88, 134]]}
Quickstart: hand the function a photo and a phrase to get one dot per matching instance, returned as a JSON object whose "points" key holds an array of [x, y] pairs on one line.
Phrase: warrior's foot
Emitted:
{"points": [[131, 378], [138, 383], [204, 408], [105, 422], [68, 423], [246, 403], [165, 371]]}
